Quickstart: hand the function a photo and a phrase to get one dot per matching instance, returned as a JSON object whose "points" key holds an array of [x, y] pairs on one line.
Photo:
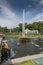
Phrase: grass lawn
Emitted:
{"points": [[26, 63], [20, 34], [41, 64]]}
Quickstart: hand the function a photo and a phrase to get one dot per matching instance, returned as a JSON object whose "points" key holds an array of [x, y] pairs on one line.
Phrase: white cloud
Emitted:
{"points": [[41, 2], [38, 3], [7, 22], [6, 10], [12, 19], [27, 13], [38, 17]]}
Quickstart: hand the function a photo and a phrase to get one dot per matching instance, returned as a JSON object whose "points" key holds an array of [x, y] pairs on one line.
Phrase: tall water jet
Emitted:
{"points": [[23, 26], [23, 38]]}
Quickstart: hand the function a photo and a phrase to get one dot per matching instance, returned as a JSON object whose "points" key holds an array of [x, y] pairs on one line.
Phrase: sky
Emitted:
{"points": [[11, 12]]}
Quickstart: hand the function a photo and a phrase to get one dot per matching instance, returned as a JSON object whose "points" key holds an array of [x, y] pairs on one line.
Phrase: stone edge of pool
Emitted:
{"points": [[23, 59]]}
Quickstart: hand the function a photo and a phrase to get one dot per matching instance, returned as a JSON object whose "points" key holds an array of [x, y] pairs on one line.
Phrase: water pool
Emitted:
{"points": [[38, 61]]}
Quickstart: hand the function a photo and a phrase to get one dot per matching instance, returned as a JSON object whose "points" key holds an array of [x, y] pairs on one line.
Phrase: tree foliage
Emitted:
{"points": [[33, 26]]}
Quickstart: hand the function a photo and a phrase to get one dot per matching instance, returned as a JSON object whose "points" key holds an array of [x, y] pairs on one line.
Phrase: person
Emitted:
{"points": [[5, 52]]}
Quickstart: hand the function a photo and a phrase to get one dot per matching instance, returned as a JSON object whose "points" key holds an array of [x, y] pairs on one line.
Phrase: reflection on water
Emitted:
{"points": [[33, 46]]}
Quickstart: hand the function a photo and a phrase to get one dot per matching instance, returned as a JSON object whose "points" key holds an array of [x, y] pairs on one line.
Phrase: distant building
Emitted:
{"points": [[27, 31]]}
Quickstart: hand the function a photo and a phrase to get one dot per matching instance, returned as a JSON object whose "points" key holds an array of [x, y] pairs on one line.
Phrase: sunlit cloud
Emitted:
{"points": [[7, 23], [41, 2], [7, 11], [11, 19], [38, 17]]}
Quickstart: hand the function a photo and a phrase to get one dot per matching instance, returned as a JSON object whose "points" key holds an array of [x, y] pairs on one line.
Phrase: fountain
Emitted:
{"points": [[23, 38]]}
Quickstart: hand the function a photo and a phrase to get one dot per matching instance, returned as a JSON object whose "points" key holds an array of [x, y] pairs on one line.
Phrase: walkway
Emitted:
{"points": [[22, 59]]}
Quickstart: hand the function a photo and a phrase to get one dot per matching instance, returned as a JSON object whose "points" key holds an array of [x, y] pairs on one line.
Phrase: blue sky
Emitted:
{"points": [[11, 12]]}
